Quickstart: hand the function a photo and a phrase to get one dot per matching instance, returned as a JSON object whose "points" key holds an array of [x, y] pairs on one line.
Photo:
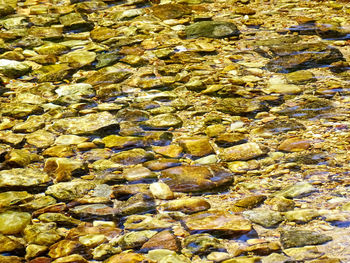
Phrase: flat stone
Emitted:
{"points": [[76, 258], [161, 191], [25, 177], [300, 77], [212, 29], [138, 173], [162, 240], [120, 142], [134, 156], [14, 197], [201, 244], [108, 75], [243, 152], [172, 150], [195, 178], [187, 205], [296, 190], [87, 124], [300, 238], [135, 239], [70, 190], [20, 158], [170, 11], [6, 243], [196, 146], [151, 222], [62, 169], [127, 257], [163, 121], [65, 248], [19, 110], [301, 215], [217, 221], [47, 33], [93, 211], [76, 90], [294, 145], [78, 58], [266, 218], [55, 72], [59, 151], [13, 68], [41, 138], [70, 140], [6, 9], [31, 124], [12, 222], [303, 253], [11, 138]]}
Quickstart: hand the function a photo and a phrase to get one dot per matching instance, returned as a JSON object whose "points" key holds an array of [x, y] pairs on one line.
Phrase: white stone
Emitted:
{"points": [[161, 191]]}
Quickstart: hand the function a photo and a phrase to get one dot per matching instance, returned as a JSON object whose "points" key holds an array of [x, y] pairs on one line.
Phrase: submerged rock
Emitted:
{"points": [[26, 177], [299, 238], [12, 222], [212, 29], [13, 69]]}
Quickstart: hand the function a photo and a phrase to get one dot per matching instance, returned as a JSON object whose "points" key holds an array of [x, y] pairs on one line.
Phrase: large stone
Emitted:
{"points": [[13, 68], [26, 177], [300, 238], [55, 72], [78, 58], [195, 178], [65, 248], [12, 222], [212, 29], [120, 142], [243, 152], [62, 169], [134, 156], [41, 234], [41, 138], [196, 146], [70, 190], [219, 222], [170, 11], [20, 158], [7, 244], [19, 110], [108, 75], [162, 240], [163, 121], [296, 190], [87, 124], [266, 218], [187, 205], [13, 197]]}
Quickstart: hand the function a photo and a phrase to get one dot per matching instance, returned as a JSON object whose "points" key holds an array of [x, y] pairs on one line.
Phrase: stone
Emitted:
{"points": [[108, 75], [70, 140], [134, 156], [196, 146], [300, 77], [6, 9], [78, 58], [294, 144], [65, 248], [250, 201], [142, 222], [126, 257], [33, 250], [51, 73], [281, 204], [62, 169], [58, 218], [135, 239], [41, 138], [300, 238], [51, 49], [23, 177], [230, 139], [170, 11], [20, 158], [39, 202], [201, 244], [60, 151], [14, 197], [12, 222], [10, 259], [171, 151], [13, 68], [31, 124], [187, 205], [220, 222], [243, 152], [138, 173], [296, 190], [161, 164], [75, 21], [162, 240], [275, 258], [100, 34], [266, 218], [195, 178], [163, 121], [303, 253], [93, 240], [301, 215], [212, 29], [53, 32], [262, 249], [161, 191], [74, 258], [11, 138], [80, 90], [87, 124], [67, 191], [19, 110], [120, 142], [7, 244], [44, 234], [139, 203]]}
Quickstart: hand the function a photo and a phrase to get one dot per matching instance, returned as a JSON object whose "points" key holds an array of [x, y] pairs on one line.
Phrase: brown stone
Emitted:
{"points": [[172, 150], [65, 248], [197, 146], [125, 258], [294, 145], [162, 240]]}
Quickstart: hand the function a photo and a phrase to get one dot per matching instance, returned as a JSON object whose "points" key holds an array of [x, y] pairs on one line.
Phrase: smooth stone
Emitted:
{"points": [[300, 238], [78, 58], [230, 139], [134, 156], [39, 202], [196, 146], [75, 258], [266, 218], [124, 191], [44, 234], [125, 257], [11, 138], [10, 259], [217, 221], [120, 142], [138, 173], [262, 249], [303, 253], [26, 177], [250, 201], [170, 11], [76, 21], [65, 248], [20, 158], [201, 244], [51, 73], [158, 254], [70, 190], [195, 178], [218, 256], [12, 222], [41, 138], [300, 77], [281, 204], [93, 240], [163, 121], [19, 110], [135, 239], [33, 251], [275, 258], [87, 124], [31, 124], [243, 259], [282, 89], [162, 240], [60, 151], [100, 34], [212, 29], [70, 140], [294, 145], [58, 218], [8, 245], [301, 215], [296, 190], [243, 152], [6, 9], [161, 164], [108, 75], [14, 197], [13, 68], [186, 205], [150, 222], [53, 32], [161, 191], [171, 151], [62, 169], [76, 90], [139, 203], [51, 49]]}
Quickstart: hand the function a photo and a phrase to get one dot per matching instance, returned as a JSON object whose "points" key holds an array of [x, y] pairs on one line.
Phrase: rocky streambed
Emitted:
{"points": [[174, 131]]}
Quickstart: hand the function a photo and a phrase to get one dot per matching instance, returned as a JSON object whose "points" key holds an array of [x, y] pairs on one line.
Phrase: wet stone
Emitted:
{"points": [[59, 151], [266, 218], [31, 124], [62, 169], [76, 258], [127, 257], [14, 197], [196, 146], [78, 58], [303, 253], [19, 110], [138, 173], [296, 190], [186, 205], [202, 244], [12, 222], [172, 150], [170, 11], [294, 145], [89, 211], [20, 158], [195, 178], [65, 248], [13, 69], [161, 164], [39, 202], [301, 215], [120, 142], [70, 190], [139, 203], [6, 10], [142, 222], [162, 240], [212, 29], [41, 138], [55, 72], [11, 138], [135, 239], [26, 177], [300, 77], [250, 201], [108, 75], [244, 151], [163, 121], [299, 238], [7, 244]]}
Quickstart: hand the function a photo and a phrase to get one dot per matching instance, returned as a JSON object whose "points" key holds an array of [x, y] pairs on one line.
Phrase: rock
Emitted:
{"points": [[65, 248], [44, 234], [14, 197], [220, 222], [51, 49], [108, 75], [31, 124], [296, 190], [171, 151], [139, 203], [275, 258], [75, 21], [265, 248], [301, 215], [201, 244], [6, 243], [59, 151], [70, 140], [26, 177], [266, 218], [87, 124], [78, 58], [55, 72], [186, 205], [127, 257], [138, 173], [239, 106], [93, 240], [291, 57], [75, 258], [212, 29], [170, 11], [281, 204], [20, 158], [13, 68], [79, 90], [120, 142], [62, 169], [39, 202], [142, 222], [195, 178], [303, 253], [161, 164], [70, 190], [10, 259], [41, 138], [12, 222], [11, 138], [163, 121], [294, 145], [230, 139], [33, 251], [250, 201], [58, 218], [6, 9], [99, 211], [162, 240], [134, 156], [300, 77], [161, 191], [100, 34], [299, 238], [244, 151], [54, 32], [196, 146], [135, 239], [19, 110]]}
